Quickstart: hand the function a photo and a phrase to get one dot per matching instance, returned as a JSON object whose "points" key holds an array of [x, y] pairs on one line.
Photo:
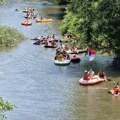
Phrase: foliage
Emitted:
{"points": [[10, 37], [5, 106], [95, 23], [1, 1]]}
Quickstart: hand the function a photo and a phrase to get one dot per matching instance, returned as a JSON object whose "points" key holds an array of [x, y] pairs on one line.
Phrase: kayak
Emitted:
{"points": [[81, 50], [44, 20], [50, 46], [93, 81], [76, 51], [37, 38], [62, 62], [71, 51], [26, 23], [37, 43]]}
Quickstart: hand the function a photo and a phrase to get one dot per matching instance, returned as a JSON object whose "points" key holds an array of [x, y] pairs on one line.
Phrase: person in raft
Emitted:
{"points": [[91, 73], [86, 75], [116, 88], [102, 75]]}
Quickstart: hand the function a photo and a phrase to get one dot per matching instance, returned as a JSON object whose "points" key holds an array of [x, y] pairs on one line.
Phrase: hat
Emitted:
{"points": [[85, 71]]}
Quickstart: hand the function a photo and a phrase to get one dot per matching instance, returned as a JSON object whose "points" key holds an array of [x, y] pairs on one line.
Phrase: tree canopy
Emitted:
{"points": [[95, 23]]}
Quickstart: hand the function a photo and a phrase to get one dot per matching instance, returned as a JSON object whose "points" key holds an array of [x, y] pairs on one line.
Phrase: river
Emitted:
{"points": [[42, 90]]}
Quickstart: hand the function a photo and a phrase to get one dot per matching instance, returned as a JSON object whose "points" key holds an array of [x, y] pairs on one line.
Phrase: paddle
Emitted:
{"points": [[108, 79]]}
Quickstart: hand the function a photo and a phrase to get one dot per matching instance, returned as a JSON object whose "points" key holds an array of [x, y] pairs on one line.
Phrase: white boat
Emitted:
{"points": [[70, 51], [76, 51], [94, 80], [64, 62]]}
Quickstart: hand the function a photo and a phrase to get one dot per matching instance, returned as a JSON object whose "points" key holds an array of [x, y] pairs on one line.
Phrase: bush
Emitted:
{"points": [[10, 37]]}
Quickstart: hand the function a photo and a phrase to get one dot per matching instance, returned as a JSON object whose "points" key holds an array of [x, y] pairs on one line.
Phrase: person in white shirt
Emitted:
{"points": [[91, 73]]}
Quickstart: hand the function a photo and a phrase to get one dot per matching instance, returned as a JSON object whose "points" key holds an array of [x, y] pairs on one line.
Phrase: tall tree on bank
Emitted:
{"points": [[95, 23]]}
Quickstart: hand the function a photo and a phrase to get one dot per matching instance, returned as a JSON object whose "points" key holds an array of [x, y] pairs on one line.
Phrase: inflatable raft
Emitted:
{"points": [[112, 92], [44, 20], [64, 62], [26, 23], [93, 81], [75, 60]]}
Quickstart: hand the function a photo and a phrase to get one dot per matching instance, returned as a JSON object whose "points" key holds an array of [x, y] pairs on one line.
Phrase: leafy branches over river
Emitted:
{"points": [[5, 106], [10, 37], [95, 24]]}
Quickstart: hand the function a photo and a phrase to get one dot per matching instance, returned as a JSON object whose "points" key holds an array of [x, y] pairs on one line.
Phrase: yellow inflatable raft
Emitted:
{"points": [[44, 20]]}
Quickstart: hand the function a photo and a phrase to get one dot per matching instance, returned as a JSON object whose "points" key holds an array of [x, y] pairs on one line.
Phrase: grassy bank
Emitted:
{"points": [[10, 37]]}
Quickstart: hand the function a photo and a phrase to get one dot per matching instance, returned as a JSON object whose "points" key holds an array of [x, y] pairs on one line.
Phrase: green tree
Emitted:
{"points": [[95, 23]]}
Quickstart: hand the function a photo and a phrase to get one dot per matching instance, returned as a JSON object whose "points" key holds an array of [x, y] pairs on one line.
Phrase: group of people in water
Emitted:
{"points": [[48, 41], [88, 75], [61, 55], [30, 12]]}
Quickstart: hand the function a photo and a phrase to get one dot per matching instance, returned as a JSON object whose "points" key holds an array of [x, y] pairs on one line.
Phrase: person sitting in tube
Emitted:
{"points": [[116, 88], [61, 57]]}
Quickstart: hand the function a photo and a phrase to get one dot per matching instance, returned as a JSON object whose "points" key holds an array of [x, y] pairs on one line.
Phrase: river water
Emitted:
{"points": [[42, 90]]}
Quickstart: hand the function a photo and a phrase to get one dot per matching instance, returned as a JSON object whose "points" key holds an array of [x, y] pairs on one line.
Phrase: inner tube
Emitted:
{"points": [[75, 60], [113, 93]]}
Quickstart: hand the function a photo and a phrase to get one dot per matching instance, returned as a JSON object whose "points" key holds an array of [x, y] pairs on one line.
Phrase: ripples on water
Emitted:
{"points": [[42, 90]]}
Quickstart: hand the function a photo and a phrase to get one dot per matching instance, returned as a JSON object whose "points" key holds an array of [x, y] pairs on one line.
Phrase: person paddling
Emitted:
{"points": [[116, 88]]}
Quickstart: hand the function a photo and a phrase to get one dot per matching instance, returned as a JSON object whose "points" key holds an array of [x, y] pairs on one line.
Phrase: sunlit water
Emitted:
{"points": [[42, 90]]}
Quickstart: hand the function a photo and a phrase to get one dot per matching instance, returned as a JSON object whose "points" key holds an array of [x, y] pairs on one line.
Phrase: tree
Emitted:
{"points": [[95, 23]]}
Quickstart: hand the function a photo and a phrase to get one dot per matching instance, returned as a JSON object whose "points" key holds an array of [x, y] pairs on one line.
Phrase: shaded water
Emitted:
{"points": [[43, 91]]}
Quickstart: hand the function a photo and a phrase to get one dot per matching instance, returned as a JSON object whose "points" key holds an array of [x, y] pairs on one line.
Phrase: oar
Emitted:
{"points": [[109, 79]]}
